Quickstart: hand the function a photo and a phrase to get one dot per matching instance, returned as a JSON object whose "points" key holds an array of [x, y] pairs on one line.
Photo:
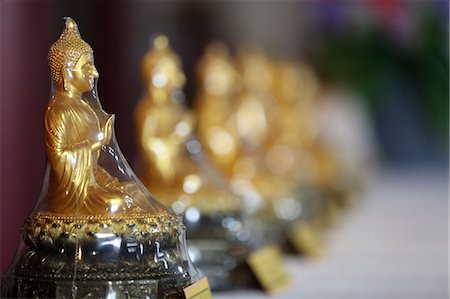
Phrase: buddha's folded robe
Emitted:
{"points": [[78, 184]]}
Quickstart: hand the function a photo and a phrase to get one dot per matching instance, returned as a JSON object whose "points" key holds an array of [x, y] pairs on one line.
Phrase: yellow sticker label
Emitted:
{"points": [[268, 266], [305, 239], [198, 290]]}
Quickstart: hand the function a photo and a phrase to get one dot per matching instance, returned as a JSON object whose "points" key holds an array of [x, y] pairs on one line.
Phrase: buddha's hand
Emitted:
{"points": [[105, 134], [108, 128]]}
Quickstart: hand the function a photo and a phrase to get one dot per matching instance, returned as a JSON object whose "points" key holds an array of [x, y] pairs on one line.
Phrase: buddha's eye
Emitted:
{"points": [[88, 67]]}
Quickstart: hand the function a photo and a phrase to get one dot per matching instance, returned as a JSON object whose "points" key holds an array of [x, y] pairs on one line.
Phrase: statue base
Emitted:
{"points": [[219, 244], [131, 256], [225, 266], [20, 287]]}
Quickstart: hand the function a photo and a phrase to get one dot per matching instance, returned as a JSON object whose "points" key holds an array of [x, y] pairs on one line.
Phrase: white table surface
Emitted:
{"points": [[393, 244]]}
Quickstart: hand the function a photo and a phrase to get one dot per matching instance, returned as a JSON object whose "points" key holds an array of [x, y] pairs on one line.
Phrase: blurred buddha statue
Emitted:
{"points": [[233, 111], [162, 124], [164, 131], [256, 119], [254, 101], [232, 118], [215, 106], [96, 232], [295, 126], [177, 172], [254, 109], [292, 126]]}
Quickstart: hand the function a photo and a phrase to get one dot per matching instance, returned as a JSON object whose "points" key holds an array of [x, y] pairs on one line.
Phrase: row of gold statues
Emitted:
{"points": [[244, 168]]}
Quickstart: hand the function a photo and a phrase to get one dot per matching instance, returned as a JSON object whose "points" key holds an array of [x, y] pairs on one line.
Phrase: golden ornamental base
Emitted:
{"points": [[131, 256]]}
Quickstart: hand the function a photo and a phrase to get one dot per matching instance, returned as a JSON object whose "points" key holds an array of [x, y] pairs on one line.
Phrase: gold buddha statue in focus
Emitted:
{"points": [[96, 232], [75, 134]]}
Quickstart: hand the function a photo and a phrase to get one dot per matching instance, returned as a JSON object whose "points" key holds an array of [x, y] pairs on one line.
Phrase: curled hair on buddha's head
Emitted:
{"points": [[66, 51]]}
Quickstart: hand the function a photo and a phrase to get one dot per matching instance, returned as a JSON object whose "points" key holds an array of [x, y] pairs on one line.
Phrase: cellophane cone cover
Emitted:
{"points": [[95, 232]]}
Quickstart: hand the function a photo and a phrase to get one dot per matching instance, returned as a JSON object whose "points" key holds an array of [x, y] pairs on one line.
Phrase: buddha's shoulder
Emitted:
{"points": [[63, 106]]}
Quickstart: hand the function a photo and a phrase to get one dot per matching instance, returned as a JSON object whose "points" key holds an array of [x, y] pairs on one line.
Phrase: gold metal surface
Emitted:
{"points": [[49, 229], [61, 237], [75, 134]]}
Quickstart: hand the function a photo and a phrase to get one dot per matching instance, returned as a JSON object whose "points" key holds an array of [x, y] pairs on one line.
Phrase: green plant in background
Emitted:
{"points": [[369, 59], [428, 67]]}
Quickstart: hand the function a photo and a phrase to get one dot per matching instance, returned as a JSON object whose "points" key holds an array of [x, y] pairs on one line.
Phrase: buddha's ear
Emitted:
{"points": [[66, 76]]}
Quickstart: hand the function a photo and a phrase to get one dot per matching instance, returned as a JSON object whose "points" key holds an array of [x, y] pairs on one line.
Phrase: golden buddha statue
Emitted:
{"points": [[75, 135], [255, 120], [96, 232], [178, 173], [229, 125], [162, 125], [233, 119], [219, 85], [164, 131], [294, 125], [224, 132]]}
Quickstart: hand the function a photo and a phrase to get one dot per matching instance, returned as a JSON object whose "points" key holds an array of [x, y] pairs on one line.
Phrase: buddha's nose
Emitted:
{"points": [[95, 72]]}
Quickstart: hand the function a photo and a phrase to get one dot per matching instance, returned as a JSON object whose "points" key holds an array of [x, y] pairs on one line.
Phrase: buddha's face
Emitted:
{"points": [[82, 76], [165, 74], [219, 77], [170, 69]]}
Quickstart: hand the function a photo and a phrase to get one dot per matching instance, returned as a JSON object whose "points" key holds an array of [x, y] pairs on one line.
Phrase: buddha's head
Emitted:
{"points": [[161, 67], [256, 68], [216, 71], [71, 61]]}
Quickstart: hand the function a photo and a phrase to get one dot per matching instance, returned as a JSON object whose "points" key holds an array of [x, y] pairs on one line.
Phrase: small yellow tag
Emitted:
{"points": [[198, 290], [268, 266], [305, 239]]}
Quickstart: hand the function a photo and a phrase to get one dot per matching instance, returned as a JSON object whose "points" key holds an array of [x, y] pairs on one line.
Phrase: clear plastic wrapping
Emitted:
{"points": [[95, 232]]}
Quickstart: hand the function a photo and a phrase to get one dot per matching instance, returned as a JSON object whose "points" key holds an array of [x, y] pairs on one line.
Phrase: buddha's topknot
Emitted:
{"points": [[67, 50]]}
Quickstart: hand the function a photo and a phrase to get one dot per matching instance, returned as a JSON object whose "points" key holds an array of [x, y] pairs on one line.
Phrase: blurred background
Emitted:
{"points": [[388, 60]]}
